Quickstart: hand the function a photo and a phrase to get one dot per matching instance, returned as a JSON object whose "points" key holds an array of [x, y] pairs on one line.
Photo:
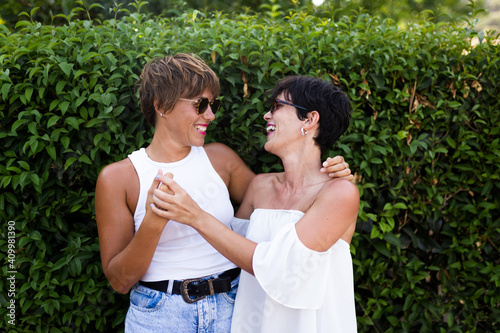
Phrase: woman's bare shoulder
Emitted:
{"points": [[117, 170], [339, 193], [261, 186], [340, 185], [265, 180], [118, 182]]}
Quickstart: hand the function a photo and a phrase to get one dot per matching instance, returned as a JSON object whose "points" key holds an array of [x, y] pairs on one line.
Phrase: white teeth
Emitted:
{"points": [[270, 128], [200, 128]]}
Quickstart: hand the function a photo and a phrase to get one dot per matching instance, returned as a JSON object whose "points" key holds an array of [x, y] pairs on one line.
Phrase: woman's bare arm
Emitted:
{"points": [[125, 255]]}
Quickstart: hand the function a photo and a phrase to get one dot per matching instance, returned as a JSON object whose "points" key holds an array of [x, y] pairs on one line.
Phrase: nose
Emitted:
{"points": [[267, 116], [208, 114]]}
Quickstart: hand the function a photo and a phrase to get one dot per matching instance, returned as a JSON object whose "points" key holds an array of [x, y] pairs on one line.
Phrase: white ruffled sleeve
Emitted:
{"points": [[240, 226], [290, 273]]}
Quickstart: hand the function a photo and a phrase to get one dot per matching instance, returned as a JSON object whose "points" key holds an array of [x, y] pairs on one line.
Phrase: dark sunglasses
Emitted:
{"points": [[277, 102], [202, 104]]}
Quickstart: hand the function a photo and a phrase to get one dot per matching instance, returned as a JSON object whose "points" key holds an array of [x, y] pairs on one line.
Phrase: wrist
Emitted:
{"points": [[199, 220], [154, 221]]}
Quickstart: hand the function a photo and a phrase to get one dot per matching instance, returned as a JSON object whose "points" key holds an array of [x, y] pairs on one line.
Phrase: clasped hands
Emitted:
{"points": [[169, 200]]}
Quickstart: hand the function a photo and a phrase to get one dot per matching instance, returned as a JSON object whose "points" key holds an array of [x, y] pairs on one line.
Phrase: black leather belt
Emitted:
{"points": [[193, 290]]}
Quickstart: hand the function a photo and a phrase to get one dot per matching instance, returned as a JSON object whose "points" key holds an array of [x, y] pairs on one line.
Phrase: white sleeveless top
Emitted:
{"points": [[181, 252], [295, 289]]}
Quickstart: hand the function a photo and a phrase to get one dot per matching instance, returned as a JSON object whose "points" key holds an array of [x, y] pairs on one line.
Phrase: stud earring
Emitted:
{"points": [[303, 131], [161, 114]]}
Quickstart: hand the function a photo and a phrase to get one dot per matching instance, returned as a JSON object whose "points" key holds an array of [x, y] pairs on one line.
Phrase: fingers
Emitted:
{"points": [[333, 161], [346, 173], [172, 202], [168, 184], [350, 177], [168, 194], [163, 197], [150, 203], [159, 211], [337, 168], [164, 187], [334, 165], [156, 182]]}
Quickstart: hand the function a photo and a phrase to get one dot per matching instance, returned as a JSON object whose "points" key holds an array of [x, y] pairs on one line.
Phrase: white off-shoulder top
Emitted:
{"points": [[295, 289]]}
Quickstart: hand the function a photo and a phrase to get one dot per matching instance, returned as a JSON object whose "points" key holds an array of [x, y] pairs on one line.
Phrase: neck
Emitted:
{"points": [[163, 149], [302, 167]]}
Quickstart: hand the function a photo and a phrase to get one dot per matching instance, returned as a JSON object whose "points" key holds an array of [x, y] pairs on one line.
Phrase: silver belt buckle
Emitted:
{"points": [[185, 291]]}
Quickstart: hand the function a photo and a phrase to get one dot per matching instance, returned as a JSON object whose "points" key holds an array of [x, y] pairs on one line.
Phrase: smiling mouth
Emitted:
{"points": [[201, 128], [270, 128]]}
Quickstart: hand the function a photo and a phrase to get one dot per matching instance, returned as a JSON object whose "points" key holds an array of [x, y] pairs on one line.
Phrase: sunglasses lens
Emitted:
{"points": [[215, 105], [275, 104], [202, 105]]}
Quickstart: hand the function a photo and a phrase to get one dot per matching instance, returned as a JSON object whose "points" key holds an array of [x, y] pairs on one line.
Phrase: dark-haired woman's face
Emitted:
{"points": [[283, 126]]}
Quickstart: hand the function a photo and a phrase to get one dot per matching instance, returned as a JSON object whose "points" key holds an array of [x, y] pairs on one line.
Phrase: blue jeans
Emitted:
{"points": [[155, 311]]}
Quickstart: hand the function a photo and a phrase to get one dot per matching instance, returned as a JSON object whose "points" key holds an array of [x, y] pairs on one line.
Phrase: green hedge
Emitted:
{"points": [[424, 143]]}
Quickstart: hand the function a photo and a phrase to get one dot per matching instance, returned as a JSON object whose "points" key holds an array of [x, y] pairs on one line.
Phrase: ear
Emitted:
{"points": [[158, 110], [311, 120], [157, 106]]}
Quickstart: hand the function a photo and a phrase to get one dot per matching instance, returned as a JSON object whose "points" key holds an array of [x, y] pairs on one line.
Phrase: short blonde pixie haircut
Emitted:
{"points": [[165, 80]]}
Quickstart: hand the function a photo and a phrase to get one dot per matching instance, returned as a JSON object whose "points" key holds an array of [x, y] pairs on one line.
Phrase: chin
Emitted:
{"points": [[197, 143]]}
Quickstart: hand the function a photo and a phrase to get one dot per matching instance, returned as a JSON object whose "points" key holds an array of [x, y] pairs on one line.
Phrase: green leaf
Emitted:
{"points": [[69, 162], [18, 123], [5, 90], [52, 121], [51, 150], [65, 141], [73, 122], [66, 68], [60, 86], [35, 179], [64, 106], [85, 159], [28, 93]]}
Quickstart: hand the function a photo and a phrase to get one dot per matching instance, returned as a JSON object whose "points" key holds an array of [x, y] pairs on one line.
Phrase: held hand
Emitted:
{"points": [[172, 202], [337, 168], [150, 213], [156, 184]]}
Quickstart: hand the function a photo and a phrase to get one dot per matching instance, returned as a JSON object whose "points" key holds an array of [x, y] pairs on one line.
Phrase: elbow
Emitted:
{"points": [[119, 285], [121, 288]]}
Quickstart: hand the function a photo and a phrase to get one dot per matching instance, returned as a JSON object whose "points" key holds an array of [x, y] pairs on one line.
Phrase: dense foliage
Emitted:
{"points": [[424, 142], [403, 11]]}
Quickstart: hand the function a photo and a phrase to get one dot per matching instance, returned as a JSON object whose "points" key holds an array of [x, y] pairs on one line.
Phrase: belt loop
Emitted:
{"points": [[170, 286]]}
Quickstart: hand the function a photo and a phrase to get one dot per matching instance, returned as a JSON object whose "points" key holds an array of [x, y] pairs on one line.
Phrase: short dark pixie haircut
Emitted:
{"points": [[316, 94], [165, 80]]}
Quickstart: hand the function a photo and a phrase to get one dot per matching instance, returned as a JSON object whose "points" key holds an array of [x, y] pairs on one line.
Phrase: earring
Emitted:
{"points": [[161, 114], [303, 131]]}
